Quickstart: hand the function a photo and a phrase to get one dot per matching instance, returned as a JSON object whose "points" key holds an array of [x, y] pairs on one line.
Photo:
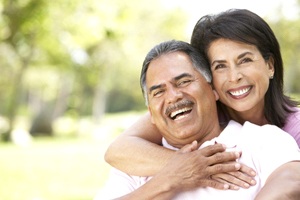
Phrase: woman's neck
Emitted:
{"points": [[253, 116]]}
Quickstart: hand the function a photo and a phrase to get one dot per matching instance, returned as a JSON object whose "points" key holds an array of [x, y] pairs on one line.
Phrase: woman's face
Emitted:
{"points": [[240, 74]]}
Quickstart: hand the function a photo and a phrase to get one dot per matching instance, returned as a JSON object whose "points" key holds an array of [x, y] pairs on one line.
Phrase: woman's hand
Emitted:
{"points": [[244, 178], [190, 168]]}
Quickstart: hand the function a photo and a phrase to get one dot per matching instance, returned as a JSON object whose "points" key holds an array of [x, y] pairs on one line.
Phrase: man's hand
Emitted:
{"points": [[190, 168]]}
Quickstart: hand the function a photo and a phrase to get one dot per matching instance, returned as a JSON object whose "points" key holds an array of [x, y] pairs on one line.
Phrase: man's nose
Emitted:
{"points": [[174, 94]]}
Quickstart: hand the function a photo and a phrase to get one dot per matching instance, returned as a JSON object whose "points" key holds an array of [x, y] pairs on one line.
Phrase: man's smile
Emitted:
{"points": [[176, 115], [179, 110]]}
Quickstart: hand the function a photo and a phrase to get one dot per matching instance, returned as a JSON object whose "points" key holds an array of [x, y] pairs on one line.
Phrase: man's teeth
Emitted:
{"points": [[173, 114], [240, 92]]}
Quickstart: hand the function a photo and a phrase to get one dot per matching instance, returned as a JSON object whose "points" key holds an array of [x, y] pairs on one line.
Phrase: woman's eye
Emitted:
{"points": [[220, 66], [246, 60]]}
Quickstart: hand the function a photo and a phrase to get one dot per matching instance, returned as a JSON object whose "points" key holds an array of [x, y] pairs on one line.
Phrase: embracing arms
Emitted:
{"points": [[178, 176], [138, 151], [283, 183]]}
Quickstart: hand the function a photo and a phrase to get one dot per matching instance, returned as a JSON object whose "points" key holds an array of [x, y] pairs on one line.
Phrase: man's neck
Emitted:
{"points": [[207, 135], [215, 132]]}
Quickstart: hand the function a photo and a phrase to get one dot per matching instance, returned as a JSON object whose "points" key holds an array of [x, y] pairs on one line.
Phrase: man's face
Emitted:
{"points": [[181, 102]]}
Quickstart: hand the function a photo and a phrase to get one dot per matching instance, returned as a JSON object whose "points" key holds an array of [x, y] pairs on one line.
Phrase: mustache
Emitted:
{"points": [[178, 105]]}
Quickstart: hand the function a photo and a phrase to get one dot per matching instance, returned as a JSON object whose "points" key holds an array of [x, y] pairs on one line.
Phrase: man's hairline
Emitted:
{"points": [[145, 91]]}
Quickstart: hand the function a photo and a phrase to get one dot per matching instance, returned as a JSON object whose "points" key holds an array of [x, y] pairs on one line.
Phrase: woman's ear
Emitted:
{"points": [[270, 64]]}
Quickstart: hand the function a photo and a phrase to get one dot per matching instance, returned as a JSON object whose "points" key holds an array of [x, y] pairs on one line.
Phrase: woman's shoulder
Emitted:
{"points": [[295, 115], [292, 124]]}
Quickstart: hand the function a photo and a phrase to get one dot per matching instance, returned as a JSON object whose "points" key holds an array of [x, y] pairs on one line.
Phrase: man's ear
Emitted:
{"points": [[152, 121], [216, 94]]}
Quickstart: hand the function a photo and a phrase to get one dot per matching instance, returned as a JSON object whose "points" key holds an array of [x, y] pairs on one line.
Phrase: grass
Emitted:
{"points": [[69, 169], [61, 168]]}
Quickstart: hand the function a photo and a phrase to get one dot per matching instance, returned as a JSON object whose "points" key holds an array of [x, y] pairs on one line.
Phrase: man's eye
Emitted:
{"points": [[157, 93], [184, 82]]}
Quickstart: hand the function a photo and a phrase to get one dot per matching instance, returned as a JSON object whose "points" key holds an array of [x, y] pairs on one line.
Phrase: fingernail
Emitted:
{"points": [[236, 188], [253, 182], [253, 173], [237, 165], [226, 186], [246, 185]]}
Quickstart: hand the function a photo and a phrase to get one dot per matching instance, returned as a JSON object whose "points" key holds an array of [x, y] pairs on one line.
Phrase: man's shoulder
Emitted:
{"points": [[267, 132], [267, 129]]}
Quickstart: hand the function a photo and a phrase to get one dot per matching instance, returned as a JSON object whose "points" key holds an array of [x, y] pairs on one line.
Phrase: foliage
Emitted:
{"points": [[84, 57], [287, 32], [76, 55]]}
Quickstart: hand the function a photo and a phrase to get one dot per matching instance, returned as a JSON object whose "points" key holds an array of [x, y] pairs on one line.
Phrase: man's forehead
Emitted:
{"points": [[171, 62]]}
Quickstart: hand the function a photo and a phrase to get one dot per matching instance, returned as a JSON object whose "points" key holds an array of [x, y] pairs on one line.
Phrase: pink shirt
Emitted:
{"points": [[292, 125]]}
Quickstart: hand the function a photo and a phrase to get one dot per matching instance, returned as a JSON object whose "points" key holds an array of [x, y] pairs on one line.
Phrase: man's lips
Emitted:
{"points": [[179, 109], [180, 112]]}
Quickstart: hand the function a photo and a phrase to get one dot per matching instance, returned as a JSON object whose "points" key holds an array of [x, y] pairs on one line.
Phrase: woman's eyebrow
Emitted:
{"points": [[217, 61], [244, 54], [239, 56]]}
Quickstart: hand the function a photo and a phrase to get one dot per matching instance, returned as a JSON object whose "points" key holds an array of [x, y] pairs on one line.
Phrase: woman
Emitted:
{"points": [[245, 27], [247, 73]]}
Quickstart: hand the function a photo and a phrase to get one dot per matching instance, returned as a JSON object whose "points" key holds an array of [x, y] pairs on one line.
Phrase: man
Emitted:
{"points": [[175, 81]]}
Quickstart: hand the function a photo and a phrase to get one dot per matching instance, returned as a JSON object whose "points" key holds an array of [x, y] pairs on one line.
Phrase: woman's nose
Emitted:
{"points": [[235, 75]]}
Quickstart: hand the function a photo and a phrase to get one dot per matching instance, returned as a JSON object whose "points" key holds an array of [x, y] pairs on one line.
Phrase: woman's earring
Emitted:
{"points": [[271, 77]]}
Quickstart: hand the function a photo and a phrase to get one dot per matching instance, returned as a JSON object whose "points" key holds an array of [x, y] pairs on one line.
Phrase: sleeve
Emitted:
{"points": [[117, 185], [293, 126], [276, 148]]}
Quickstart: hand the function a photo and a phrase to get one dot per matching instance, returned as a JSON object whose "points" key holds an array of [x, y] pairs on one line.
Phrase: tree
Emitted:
{"points": [[22, 24], [74, 55], [287, 32]]}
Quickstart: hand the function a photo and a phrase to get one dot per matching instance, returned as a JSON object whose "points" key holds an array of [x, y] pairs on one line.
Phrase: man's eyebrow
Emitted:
{"points": [[154, 87], [182, 76]]}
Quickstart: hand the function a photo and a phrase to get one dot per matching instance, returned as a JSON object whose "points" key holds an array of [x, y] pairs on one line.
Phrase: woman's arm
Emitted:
{"points": [[138, 151], [177, 176], [283, 183]]}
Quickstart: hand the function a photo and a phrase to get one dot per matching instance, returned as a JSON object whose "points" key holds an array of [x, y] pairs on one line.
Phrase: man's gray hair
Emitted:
{"points": [[198, 60]]}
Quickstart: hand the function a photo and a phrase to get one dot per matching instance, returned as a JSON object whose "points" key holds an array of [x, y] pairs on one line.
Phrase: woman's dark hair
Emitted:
{"points": [[247, 27]]}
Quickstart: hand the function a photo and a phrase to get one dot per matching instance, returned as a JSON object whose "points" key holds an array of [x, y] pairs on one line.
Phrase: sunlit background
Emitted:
{"points": [[70, 81]]}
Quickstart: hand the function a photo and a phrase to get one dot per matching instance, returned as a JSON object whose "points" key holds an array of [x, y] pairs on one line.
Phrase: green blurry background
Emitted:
{"points": [[65, 167], [70, 83]]}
